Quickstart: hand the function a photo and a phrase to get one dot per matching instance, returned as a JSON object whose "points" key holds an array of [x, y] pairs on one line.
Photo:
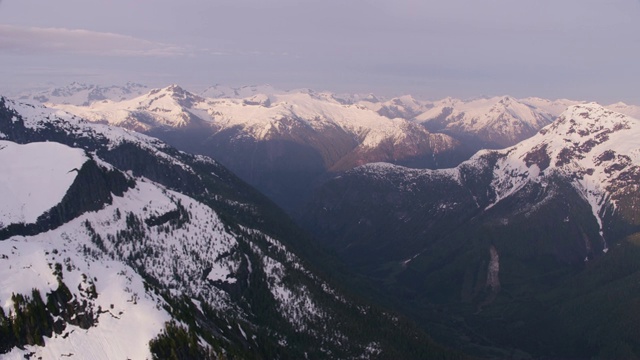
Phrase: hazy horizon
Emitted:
{"points": [[583, 50]]}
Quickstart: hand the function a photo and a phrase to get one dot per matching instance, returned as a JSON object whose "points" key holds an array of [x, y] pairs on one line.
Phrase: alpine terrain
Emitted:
{"points": [[529, 251], [282, 143], [286, 143], [83, 94], [114, 245]]}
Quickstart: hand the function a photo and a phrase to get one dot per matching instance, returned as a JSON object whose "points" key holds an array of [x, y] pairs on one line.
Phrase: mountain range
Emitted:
{"points": [[508, 242], [503, 227], [82, 94], [281, 143], [116, 245], [287, 142]]}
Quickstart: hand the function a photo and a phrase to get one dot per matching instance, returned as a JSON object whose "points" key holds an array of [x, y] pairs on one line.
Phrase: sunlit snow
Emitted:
{"points": [[35, 178]]}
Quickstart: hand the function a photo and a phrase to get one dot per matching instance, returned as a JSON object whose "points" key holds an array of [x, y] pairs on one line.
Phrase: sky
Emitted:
{"points": [[576, 49]]}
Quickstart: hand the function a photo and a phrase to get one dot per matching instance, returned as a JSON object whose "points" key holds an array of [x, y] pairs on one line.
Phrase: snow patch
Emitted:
{"points": [[128, 317], [34, 178]]}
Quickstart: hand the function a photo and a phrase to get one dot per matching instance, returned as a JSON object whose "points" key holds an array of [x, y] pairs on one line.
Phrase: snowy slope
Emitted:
{"points": [[124, 328], [309, 110], [631, 110], [594, 150], [292, 115], [34, 178], [502, 121], [595, 147], [83, 94], [185, 239], [191, 252], [229, 92], [405, 107], [37, 175], [553, 107]]}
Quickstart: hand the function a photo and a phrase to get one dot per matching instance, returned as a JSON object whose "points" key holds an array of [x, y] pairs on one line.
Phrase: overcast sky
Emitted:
{"points": [[578, 49]]}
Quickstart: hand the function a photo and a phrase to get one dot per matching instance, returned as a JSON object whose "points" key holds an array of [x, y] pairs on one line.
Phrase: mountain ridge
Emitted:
{"points": [[210, 267], [264, 138], [504, 230], [285, 143]]}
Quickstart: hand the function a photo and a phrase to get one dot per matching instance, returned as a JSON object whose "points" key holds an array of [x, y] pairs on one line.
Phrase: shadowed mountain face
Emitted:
{"points": [[283, 168], [284, 144], [487, 253], [146, 251], [530, 251]]}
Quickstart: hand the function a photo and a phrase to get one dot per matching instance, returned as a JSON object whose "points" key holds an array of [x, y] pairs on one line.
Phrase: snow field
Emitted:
{"points": [[34, 178]]}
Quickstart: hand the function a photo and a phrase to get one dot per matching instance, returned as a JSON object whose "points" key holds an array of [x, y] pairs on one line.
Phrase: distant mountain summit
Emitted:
{"points": [[228, 92], [631, 110], [497, 122], [83, 94], [405, 107]]}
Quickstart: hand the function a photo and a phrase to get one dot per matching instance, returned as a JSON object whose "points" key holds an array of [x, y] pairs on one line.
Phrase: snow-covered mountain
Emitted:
{"points": [[285, 142], [115, 245], [553, 107], [596, 148], [266, 137], [593, 150], [497, 122], [510, 236], [228, 92], [171, 107], [83, 94], [631, 110], [558, 106], [261, 116], [405, 107], [35, 177]]}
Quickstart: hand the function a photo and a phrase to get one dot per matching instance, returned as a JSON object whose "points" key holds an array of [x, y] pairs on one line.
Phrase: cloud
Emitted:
{"points": [[35, 40]]}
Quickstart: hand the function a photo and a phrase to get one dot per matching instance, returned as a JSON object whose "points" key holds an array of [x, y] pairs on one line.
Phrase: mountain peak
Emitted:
{"points": [[596, 148], [219, 91], [81, 94], [579, 137], [75, 84], [371, 98], [498, 121], [505, 100], [588, 119], [180, 95], [175, 88]]}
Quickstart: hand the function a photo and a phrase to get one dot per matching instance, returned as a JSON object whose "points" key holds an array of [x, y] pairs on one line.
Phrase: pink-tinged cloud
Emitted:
{"points": [[35, 40]]}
